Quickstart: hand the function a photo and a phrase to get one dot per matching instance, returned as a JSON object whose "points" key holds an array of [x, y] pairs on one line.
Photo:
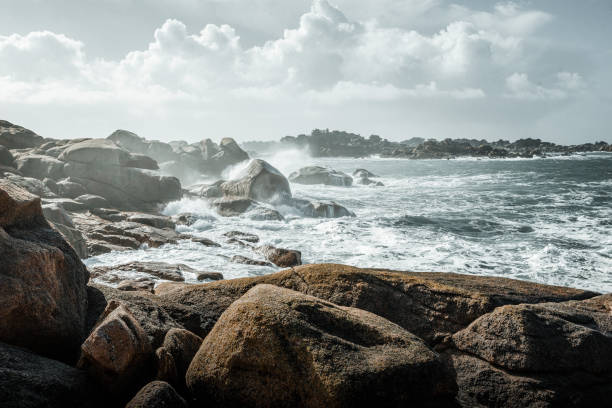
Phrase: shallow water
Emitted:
{"points": [[544, 220]]}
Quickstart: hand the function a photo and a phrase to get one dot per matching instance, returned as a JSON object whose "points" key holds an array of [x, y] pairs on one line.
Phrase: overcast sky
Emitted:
{"points": [[262, 69]]}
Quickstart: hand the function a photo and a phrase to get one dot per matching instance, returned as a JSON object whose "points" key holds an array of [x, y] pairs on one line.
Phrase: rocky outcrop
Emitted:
{"points": [[277, 347], [279, 256], [547, 354], [218, 157], [157, 394], [158, 270], [31, 381], [259, 181], [17, 137], [320, 175], [103, 169], [43, 298], [117, 352]]}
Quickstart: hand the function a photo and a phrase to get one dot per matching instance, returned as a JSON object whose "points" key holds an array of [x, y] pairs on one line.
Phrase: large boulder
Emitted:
{"points": [[157, 394], [431, 305], [103, 169], [61, 221], [320, 175], [28, 380], [6, 157], [277, 347], [40, 166], [260, 181], [547, 354], [17, 137], [117, 353], [218, 157], [133, 143], [175, 355], [43, 295]]}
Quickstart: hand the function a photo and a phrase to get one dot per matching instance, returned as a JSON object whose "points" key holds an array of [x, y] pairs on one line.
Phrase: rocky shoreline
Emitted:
{"points": [[312, 335], [326, 143]]}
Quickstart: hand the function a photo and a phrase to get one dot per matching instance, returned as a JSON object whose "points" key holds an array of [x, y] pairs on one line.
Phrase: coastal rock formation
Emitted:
{"points": [[260, 181], [321, 175], [218, 157], [43, 297], [157, 394], [28, 380], [17, 137], [158, 270], [277, 347]]}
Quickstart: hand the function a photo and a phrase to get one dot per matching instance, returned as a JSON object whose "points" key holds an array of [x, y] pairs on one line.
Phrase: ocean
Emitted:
{"points": [[546, 220]]}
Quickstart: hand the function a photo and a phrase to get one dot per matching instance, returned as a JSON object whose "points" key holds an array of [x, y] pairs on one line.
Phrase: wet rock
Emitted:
{"points": [[16, 137], [157, 394], [260, 181], [248, 261], [210, 276], [131, 285], [28, 380], [43, 298], [282, 348], [140, 161], [157, 221], [233, 206], [279, 256], [92, 201], [160, 270], [217, 157], [208, 190], [330, 210], [361, 173], [264, 214], [243, 236], [320, 175], [185, 219], [204, 241], [118, 351]]}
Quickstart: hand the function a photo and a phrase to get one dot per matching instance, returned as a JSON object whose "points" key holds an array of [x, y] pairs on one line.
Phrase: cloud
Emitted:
{"points": [[520, 87]]}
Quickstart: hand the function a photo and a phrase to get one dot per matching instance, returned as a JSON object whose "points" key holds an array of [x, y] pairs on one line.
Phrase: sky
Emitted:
{"points": [[263, 69]]}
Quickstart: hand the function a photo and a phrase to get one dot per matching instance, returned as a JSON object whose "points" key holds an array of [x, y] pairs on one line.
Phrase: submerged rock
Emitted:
{"points": [[248, 261], [277, 347], [321, 175]]}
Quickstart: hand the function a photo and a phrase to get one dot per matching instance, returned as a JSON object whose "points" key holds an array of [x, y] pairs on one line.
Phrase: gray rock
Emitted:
{"points": [[320, 175], [259, 181], [157, 221], [40, 167], [6, 158], [70, 189], [92, 201], [17, 137]]}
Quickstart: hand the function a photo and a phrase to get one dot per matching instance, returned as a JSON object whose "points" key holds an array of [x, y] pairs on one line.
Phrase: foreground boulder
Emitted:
{"points": [[117, 353], [175, 355], [260, 181], [321, 175], [547, 354], [31, 381], [277, 347], [157, 394], [43, 295]]}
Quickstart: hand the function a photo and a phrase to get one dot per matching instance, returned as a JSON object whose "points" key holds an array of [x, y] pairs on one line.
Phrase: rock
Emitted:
{"points": [[261, 213], [61, 221], [277, 347], [131, 142], [66, 203], [433, 306], [43, 296], [248, 261], [260, 181], [102, 168], [232, 206], [208, 190], [218, 157], [185, 219], [210, 276], [160, 270], [546, 354], [31, 381], [144, 307], [330, 210], [140, 161], [157, 394], [32, 185], [39, 166], [320, 175], [92, 201], [17, 137], [6, 157], [242, 236], [363, 173], [179, 348], [117, 352], [205, 241], [280, 257], [131, 285], [70, 189], [156, 221]]}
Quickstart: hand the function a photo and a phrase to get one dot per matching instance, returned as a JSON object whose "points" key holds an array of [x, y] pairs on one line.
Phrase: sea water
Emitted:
{"points": [[546, 220]]}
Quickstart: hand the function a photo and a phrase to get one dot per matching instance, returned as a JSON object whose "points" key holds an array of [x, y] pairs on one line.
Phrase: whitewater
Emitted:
{"points": [[546, 220]]}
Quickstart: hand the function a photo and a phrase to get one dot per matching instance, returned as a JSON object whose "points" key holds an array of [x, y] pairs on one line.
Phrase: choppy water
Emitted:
{"points": [[544, 220]]}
